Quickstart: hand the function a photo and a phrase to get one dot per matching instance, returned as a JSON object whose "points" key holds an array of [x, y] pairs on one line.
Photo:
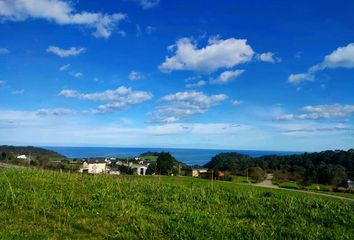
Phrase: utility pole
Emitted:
{"points": [[29, 159], [247, 175]]}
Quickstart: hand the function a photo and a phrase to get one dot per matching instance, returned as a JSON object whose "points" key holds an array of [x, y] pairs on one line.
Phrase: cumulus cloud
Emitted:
{"points": [[65, 52], [320, 112], [268, 57], [60, 12], [300, 77], [200, 83], [226, 77], [134, 75], [64, 67], [115, 100], [216, 54], [342, 57], [182, 105], [4, 51]]}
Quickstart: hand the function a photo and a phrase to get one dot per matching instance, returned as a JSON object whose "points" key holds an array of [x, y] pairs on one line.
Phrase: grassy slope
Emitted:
{"points": [[42, 204]]}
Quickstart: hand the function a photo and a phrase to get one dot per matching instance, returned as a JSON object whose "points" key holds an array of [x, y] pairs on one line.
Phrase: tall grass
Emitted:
{"points": [[37, 204]]}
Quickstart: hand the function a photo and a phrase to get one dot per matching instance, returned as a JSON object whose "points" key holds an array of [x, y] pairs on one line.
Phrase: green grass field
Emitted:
{"points": [[37, 204]]}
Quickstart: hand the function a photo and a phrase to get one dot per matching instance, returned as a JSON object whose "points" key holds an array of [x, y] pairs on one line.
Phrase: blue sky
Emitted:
{"points": [[275, 75]]}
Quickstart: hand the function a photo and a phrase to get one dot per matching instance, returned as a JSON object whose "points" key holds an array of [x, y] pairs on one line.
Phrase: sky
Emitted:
{"points": [[250, 75]]}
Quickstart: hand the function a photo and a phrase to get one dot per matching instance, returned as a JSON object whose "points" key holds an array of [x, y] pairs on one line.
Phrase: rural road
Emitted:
{"points": [[267, 183], [5, 165]]}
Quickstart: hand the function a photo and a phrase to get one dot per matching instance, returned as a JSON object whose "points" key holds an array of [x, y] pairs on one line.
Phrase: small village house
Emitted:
{"points": [[199, 172], [95, 166]]}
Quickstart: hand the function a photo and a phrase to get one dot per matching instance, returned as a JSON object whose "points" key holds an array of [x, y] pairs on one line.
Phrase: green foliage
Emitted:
{"points": [[165, 163], [38, 204], [152, 168], [3, 156], [256, 173], [328, 167]]}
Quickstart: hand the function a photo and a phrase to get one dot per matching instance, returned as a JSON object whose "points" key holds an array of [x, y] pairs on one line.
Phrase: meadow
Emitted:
{"points": [[42, 204]]}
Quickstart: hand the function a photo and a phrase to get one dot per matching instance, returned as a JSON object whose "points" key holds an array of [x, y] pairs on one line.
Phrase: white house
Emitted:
{"points": [[95, 166], [139, 168], [196, 172], [23, 157]]}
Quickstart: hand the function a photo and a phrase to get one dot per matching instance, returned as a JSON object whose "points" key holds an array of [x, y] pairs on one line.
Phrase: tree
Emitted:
{"points": [[165, 163], [256, 173], [3, 156], [336, 174], [152, 168]]}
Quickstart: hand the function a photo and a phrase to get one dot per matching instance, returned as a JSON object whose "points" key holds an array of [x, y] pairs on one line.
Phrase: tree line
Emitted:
{"points": [[327, 167]]}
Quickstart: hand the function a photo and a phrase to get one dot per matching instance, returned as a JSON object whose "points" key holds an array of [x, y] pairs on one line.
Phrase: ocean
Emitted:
{"points": [[188, 156]]}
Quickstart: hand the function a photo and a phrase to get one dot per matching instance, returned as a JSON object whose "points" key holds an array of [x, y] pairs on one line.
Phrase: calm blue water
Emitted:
{"points": [[188, 156]]}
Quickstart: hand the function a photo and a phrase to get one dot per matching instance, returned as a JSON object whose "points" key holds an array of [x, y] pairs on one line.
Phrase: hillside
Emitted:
{"points": [[29, 151], [39, 204]]}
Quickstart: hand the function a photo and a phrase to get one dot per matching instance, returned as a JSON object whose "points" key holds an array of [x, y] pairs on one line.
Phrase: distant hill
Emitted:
{"points": [[29, 150]]}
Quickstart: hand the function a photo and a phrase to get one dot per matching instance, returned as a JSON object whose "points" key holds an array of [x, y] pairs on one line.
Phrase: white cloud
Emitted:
{"points": [[314, 129], [321, 112], [134, 75], [196, 128], [2, 83], [300, 77], [236, 102], [18, 92], [150, 29], [147, 4], [115, 100], [183, 105], [60, 12], [78, 74], [268, 57], [64, 67], [200, 83], [217, 54], [4, 51], [65, 53], [54, 112], [342, 57], [138, 30], [226, 77]]}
